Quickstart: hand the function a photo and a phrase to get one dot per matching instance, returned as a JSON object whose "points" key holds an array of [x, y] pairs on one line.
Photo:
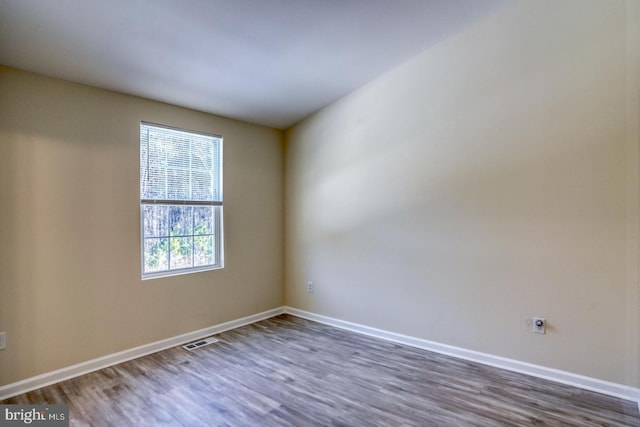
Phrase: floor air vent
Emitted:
{"points": [[192, 346]]}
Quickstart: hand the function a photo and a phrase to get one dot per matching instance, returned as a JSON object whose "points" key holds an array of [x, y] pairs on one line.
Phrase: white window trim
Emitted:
{"points": [[218, 224]]}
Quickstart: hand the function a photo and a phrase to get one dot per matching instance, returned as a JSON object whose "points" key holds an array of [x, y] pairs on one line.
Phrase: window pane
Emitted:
{"points": [[181, 252], [180, 220], [156, 221], [202, 154], [157, 149], [156, 255], [178, 152], [178, 183], [203, 220], [202, 185], [203, 251], [154, 183]]}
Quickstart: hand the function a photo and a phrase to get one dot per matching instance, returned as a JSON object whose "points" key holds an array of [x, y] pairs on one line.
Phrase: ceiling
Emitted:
{"points": [[271, 62]]}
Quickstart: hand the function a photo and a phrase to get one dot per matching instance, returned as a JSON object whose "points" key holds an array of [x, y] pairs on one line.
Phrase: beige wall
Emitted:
{"points": [[70, 287], [484, 182]]}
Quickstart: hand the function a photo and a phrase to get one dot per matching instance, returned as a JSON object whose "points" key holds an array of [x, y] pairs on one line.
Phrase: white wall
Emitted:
{"points": [[484, 182], [70, 286]]}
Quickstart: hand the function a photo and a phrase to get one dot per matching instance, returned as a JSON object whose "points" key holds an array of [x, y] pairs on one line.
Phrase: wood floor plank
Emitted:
{"points": [[288, 371]]}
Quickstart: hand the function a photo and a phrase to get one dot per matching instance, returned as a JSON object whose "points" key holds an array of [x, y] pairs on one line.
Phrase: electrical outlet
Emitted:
{"points": [[3, 340], [539, 325], [310, 287]]}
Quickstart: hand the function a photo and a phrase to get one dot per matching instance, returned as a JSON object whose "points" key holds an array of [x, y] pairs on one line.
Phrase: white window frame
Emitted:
{"points": [[217, 206]]}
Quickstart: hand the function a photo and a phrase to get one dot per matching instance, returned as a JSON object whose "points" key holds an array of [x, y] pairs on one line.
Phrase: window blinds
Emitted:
{"points": [[177, 166]]}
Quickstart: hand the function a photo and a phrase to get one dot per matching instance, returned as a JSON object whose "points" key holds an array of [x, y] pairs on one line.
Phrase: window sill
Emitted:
{"points": [[180, 272]]}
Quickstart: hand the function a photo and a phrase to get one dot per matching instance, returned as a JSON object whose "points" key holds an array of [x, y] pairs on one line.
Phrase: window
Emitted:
{"points": [[180, 201]]}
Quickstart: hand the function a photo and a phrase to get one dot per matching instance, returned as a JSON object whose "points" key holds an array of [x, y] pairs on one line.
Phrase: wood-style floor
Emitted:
{"points": [[287, 371]]}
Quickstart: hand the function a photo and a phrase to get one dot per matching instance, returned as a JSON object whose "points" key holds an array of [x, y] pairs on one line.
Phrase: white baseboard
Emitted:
{"points": [[43, 380], [576, 380], [587, 383]]}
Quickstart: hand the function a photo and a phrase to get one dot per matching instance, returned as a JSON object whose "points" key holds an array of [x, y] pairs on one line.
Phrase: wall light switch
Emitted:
{"points": [[3, 340]]}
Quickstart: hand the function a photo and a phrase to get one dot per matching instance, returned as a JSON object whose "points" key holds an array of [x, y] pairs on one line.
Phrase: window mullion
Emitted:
{"points": [[179, 202]]}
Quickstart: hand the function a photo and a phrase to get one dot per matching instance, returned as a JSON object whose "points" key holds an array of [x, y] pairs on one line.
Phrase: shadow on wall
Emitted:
{"points": [[64, 190]]}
